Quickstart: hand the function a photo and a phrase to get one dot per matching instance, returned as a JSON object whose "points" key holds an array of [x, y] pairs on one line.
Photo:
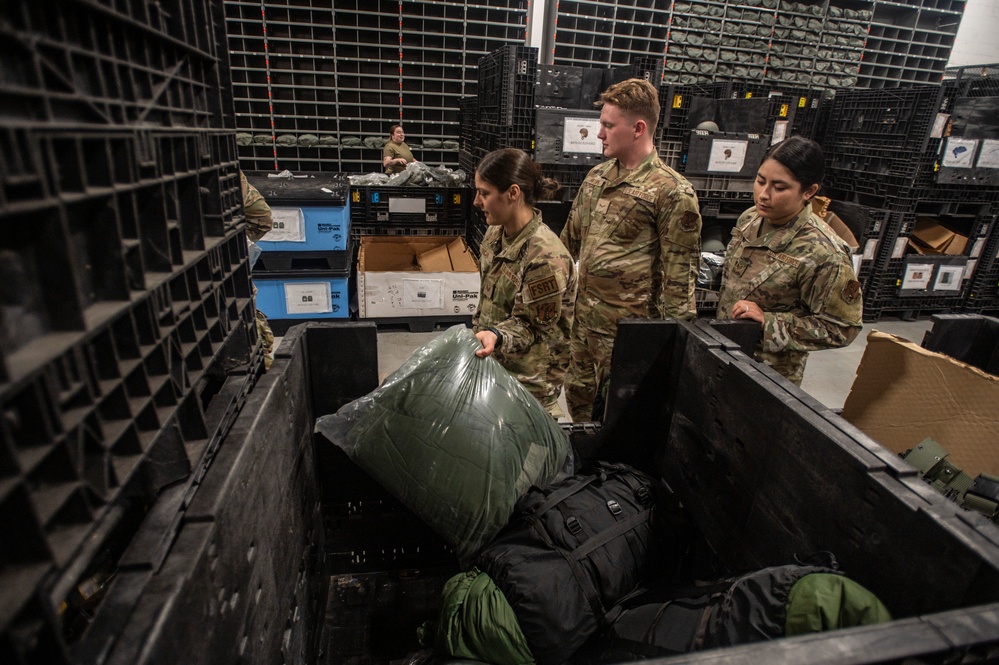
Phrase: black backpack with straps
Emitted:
{"points": [[573, 550]]}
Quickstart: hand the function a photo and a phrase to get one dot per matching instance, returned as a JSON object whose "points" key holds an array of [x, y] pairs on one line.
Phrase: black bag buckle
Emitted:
{"points": [[614, 507], [643, 494], [573, 525]]}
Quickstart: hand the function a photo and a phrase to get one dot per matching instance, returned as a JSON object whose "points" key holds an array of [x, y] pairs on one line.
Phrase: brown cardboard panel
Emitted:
{"points": [[904, 394], [435, 260], [462, 258], [841, 229], [929, 237]]}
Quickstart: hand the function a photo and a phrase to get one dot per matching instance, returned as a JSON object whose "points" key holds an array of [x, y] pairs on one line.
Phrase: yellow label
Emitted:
{"points": [[802, 101], [783, 110], [677, 101], [456, 198], [749, 95], [355, 196]]}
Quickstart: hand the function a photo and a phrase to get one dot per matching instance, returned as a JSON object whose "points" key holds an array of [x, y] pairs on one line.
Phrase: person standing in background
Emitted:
{"points": [[528, 278], [396, 154], [787, 269], [259, 221], [635, 229]]}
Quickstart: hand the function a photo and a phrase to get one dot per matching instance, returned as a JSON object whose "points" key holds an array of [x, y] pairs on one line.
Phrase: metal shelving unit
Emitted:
{"points": [[316, 87]]}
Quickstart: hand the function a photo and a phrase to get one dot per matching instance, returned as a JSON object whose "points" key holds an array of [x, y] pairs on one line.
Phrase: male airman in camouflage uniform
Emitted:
{"points": [[635, 229], [527, 293], [802, 278], [259, 221]]}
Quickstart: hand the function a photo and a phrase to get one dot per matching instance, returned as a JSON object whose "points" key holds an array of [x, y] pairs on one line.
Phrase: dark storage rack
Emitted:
{"points": [[316, 88], [808, 44], [128, 337]]}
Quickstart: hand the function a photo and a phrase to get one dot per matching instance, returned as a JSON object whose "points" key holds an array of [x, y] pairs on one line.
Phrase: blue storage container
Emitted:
{"points": [[321, 228], [319, 295]]}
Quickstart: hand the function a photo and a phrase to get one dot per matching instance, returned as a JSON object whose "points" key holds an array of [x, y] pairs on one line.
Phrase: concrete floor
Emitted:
{"points": [[828, 375]]}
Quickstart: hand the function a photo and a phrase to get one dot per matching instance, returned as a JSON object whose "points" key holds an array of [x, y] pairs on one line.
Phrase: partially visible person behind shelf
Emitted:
{"points": [[635, 229], [259, 221], [787, 269], [396, 154], [528, 278]]}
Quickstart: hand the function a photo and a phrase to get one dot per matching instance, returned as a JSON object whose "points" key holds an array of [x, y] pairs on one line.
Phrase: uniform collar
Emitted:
{"points": [[636, 174], [783, 236], [515, 245]]}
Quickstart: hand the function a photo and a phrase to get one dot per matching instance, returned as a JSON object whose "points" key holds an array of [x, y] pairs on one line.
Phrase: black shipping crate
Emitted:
{"points": [[767, 473]]}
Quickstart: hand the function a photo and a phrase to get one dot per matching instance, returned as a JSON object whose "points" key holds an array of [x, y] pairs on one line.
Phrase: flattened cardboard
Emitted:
{"points": [[929, 237], [403, 276], [904, 393]]}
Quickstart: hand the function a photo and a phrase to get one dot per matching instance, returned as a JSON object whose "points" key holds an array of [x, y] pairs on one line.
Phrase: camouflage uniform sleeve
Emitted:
{"points": [[570, 233], [538, 306], [679, 225], [831, 293], [258, 214]]}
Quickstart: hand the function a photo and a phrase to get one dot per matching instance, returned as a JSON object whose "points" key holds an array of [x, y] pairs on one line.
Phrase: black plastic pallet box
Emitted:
{"points": [[289, 553]]}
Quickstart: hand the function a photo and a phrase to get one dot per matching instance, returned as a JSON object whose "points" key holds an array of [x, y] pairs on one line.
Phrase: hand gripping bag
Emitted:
{"points": [[456, 438]]}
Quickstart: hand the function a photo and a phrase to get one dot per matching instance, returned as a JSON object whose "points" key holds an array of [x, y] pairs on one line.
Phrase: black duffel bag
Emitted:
{"points": [[576, 548]]}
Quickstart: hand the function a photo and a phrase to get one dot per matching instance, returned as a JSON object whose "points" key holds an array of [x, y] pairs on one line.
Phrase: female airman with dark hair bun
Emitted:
{"points": [[528, 278], [787, 269]]}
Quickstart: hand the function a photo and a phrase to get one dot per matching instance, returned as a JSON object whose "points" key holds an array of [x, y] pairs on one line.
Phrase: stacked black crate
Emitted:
{"points": [[303, 271], [910, 161], [125, 282]]}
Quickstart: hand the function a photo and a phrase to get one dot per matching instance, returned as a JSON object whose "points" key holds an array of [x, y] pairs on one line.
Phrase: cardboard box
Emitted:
{"points": [[408, 276], [904, 394], [929, 237]]}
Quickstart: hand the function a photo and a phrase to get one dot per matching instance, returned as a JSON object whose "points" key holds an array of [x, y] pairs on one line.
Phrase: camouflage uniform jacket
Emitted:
{"points": [[528, 289], [802, 278], [258, 214], [638, 241]]}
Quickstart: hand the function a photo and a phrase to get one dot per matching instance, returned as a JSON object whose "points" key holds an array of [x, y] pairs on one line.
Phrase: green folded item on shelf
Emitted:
{"points": [[451, 145], [287, 140], [329, 140], [374, 141], [431, 143], [262, 138], [350, 141], [242, 138], [308, 140]]}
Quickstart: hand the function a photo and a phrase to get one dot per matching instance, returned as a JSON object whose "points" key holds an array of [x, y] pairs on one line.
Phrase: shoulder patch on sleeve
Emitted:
{"points": [[851, 292], [688, 221], [541, 287]]}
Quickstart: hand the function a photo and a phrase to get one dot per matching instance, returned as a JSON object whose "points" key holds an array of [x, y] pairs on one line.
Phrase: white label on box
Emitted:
{"points": [[780, 131], [949, 278], [402, 205], [917, 275], [989, 157], [289, 226], [976, 249], [307, 298], [899, 250], [969, 269], [960, 153], [579, 136], [939, 124], [727, 156], [423, 293], [869, 249]]}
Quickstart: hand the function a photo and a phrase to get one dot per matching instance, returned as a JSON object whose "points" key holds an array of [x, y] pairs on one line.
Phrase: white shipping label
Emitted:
{"points": [[302, 298], [939, 125], [423, 293], [727, 156], [289, 226], [780, 132], [960, 153], [401, 205], [949, 278], [969, 269], [976, 249], [989, 157], [869, 248], [917, 275], [857, 259], [899, 249]]}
